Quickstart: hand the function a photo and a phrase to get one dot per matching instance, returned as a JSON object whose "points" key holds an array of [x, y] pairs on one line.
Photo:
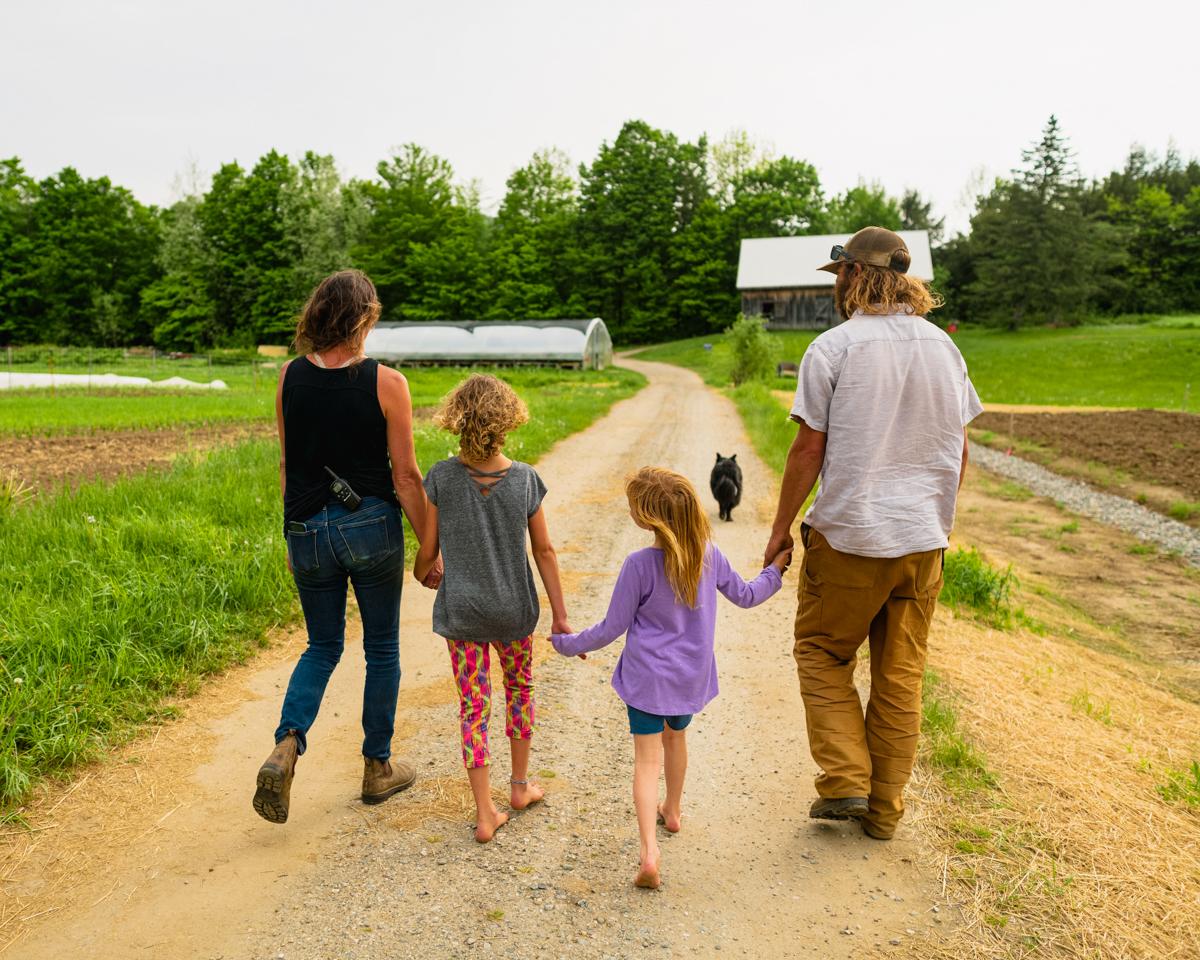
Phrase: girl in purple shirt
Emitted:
{"points": [[665, 602]]}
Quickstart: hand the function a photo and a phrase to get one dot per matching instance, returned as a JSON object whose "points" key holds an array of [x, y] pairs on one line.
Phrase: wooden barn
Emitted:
{"points": [[779, 279]]}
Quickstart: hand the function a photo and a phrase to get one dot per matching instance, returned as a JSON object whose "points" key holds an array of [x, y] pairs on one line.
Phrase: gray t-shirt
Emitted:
{"points": [[488, 592], [891, 393]]}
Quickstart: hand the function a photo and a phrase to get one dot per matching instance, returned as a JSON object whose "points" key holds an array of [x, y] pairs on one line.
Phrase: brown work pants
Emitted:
{"points": [[845, 599]]}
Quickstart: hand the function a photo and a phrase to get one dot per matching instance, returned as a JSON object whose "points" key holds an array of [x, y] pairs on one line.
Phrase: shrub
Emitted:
{"points": [[754, 350]]}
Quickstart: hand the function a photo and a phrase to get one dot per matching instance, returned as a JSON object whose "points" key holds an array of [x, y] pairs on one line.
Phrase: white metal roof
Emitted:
{"points": [[563, 340], [767, 263]]}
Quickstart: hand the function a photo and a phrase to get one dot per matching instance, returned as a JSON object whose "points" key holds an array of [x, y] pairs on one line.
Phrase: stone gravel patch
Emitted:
{"points": [[1134, 519]]}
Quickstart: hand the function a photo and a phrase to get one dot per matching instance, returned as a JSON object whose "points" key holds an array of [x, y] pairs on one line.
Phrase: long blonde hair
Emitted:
{"points": [[665, 502], [481, 411], [874, 289]]}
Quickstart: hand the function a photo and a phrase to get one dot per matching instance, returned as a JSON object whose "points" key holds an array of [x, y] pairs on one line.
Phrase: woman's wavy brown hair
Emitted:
{"points": [[665, 501], [481, 411], [342, 310], [874, 289]]}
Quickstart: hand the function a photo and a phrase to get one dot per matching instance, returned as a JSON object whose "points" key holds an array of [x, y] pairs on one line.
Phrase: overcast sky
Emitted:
{"points": [[920, 94]]}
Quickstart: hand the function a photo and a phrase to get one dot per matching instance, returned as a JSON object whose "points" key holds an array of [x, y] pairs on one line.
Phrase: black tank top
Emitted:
{"points": [[331, 418]]}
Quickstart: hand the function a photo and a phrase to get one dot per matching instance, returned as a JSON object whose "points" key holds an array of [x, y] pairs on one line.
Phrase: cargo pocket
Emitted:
{"points": [[808, 606], [366, 540], [302, 551]]}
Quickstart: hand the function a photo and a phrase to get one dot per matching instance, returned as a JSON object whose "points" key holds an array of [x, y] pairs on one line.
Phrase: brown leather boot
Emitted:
{"points": [[275, 780], [383, 778]]}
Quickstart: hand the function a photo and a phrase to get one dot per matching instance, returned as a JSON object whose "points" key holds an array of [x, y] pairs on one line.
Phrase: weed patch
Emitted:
{"points": [[1082, 702], [974, 584], [1182, 786], [959, 763], [1184, 510]]}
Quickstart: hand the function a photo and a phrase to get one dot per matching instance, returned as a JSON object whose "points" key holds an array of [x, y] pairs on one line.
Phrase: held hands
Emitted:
{"points": [[433, 579], [559, 625], [782, 560], [777, 546]]}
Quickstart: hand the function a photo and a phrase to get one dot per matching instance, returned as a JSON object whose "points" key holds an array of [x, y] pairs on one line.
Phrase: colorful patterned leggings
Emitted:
{"points": [[471, 662]]}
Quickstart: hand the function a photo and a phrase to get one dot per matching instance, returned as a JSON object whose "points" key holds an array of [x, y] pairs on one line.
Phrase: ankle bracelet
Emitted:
{"points": [[518, 783]]}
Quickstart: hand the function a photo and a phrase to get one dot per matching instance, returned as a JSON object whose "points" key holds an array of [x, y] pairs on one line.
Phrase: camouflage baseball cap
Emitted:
{"points": [[877, 246]]}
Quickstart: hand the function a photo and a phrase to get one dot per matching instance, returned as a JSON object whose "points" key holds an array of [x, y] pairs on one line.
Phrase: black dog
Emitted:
{"points": [[726, 484]]}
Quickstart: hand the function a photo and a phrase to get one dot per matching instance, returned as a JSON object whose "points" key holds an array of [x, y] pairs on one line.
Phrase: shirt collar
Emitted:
{"points": [[885, 310]]}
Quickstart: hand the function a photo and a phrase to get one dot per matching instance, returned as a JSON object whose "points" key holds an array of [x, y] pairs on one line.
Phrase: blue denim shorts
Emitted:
{"points": [[644, 724]]}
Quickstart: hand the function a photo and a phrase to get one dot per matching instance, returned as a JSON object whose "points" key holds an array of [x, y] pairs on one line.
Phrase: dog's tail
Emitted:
{"points": [[726, 488]]}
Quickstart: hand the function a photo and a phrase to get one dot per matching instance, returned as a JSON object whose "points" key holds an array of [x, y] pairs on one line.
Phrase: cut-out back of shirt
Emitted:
{"points": [[484, 480]]}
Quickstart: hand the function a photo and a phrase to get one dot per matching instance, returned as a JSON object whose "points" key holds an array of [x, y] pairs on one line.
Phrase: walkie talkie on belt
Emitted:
{"points": [[343, 492]]}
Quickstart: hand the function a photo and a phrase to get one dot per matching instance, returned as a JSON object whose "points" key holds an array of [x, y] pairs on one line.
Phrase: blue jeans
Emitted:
{"points": [[366, 548]]}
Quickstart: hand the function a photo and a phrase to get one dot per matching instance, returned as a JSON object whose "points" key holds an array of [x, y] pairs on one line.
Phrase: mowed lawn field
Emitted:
{"points": [[114, 596], [1147, 365]]}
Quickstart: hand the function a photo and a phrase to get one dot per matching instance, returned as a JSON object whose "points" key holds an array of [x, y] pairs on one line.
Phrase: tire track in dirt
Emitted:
{"points": [[748, 874]]}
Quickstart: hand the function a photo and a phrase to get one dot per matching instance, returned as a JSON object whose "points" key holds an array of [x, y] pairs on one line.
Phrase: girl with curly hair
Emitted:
{"points": [[481, 504]]}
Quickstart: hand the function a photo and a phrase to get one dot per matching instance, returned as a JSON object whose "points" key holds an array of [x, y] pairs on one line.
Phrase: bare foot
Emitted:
{"points": [[487, 826], [648, 877], [526, 795], [669, 820]]}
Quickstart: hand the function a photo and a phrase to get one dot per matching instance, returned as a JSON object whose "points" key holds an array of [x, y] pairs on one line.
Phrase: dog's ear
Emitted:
{"points": [[734, 457], [718, 458]]}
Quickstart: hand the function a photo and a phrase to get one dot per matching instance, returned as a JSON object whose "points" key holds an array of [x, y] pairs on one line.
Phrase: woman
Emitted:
{"points": [[339, 411]]}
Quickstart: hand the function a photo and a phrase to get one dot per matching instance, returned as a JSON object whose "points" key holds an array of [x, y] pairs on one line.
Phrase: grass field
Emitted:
{"points": [[1148, 365], [251, 396], [114, 596]]}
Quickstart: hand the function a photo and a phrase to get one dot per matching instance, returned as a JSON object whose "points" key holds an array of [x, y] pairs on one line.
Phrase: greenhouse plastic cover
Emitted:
{"points": [[546, 341]]}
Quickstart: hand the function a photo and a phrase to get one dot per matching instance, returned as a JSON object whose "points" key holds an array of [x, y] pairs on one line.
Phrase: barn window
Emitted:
{"points": [[768, 308]]}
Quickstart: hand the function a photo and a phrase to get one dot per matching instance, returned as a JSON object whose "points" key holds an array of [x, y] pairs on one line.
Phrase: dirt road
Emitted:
{"points": [[159, 853]]}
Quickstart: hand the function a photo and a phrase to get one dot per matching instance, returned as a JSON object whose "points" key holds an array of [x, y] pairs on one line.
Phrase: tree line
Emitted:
{"points": [[1048, 246], [646, 235]]}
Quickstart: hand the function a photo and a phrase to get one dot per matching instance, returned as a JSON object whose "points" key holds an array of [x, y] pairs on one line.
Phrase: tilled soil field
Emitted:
{"points": [[1155, 446], [47, 463]]}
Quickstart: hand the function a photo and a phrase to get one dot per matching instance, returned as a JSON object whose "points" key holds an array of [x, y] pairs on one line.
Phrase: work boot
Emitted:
{"points": [[839, 808], [275, 780], [383, 778]]}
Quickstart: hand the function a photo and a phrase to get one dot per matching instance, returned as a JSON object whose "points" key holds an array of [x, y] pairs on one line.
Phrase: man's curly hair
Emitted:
{"points": [[481, 411]]}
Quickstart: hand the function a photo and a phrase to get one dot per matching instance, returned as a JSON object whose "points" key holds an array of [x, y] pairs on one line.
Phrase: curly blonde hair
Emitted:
{"points": [[665, 501], [481, 411], [874, 289]]}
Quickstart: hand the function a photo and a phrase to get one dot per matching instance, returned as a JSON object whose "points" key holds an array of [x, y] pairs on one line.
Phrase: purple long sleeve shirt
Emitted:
{"points": [[668, 666]]}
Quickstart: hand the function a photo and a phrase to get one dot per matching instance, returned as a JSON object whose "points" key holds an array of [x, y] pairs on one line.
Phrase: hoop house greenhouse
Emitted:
{"points": [[575, 343]]}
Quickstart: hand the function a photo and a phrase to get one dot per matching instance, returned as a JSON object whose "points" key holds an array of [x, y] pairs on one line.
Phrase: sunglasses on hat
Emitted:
{"points": [[839, 253]]}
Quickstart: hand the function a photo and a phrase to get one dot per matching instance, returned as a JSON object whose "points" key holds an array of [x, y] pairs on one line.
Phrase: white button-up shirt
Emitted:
{"points": [[892, 394]]}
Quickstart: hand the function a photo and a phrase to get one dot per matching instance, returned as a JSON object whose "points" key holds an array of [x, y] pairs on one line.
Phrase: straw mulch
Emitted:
{"points": [[442, 799], [1075, 853]]}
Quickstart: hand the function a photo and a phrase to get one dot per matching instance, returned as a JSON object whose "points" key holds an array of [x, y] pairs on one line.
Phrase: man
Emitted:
{"points": [[882, 402]]}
